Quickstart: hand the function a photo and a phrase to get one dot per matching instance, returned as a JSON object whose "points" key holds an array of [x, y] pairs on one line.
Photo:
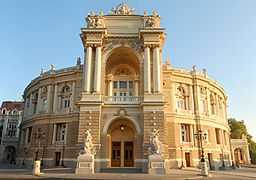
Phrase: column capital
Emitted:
{"points": [[151, 45]]}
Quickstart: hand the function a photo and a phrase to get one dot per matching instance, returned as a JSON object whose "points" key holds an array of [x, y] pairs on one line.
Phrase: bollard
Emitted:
{"points": [[36, 168]]}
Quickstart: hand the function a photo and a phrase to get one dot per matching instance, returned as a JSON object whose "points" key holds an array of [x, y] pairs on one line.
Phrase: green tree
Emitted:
{"points": [[238, 129]]}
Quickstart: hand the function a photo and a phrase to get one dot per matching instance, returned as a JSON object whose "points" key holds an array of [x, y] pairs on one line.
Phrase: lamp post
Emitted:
{"points": [[223, 161], [39, 135], [182, 163], [202, 137], [63, 150], [199, 134]]}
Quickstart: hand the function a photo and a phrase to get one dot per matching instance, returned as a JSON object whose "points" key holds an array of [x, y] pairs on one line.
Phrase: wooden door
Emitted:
{"points": [[128, 154], [116, 154], [210, 159], [57, 158], [187, 158]]}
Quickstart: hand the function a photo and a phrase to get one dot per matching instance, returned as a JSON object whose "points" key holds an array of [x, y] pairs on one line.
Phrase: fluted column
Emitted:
{"points": [[30, 110], [72, 100], [97, 72], [136, 88], [49, 99], [147, 74], [208, 102], [110, 88], [191, 103], [55, 99], [88, 69], [38, 108], [156, 70]]}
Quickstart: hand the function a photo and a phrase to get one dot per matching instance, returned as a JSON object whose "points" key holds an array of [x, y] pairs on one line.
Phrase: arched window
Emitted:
{"points": [[203, 100], [4, 111], [14, 112], [213, 104], [65, 97], [181, 98]]}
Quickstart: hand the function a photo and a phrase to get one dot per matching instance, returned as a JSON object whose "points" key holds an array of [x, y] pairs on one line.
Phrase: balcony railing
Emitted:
{"points": [[122, 99]]}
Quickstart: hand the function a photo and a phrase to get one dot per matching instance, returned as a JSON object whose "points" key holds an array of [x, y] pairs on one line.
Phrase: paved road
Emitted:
{"points": [[189, 174]]}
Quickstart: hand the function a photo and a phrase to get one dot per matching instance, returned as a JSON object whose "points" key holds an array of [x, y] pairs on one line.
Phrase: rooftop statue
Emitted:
{"points": [[122, 9]]}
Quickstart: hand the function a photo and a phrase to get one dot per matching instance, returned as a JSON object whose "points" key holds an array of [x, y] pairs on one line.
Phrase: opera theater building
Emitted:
{"points": [[123, 92]]}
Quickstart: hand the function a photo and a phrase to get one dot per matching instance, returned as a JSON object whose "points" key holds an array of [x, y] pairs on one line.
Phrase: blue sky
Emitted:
{"points": [[213, 34]]}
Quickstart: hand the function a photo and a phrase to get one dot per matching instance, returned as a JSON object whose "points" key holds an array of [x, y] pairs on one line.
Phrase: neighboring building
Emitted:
{"points": [[123, 92], [240, 151], [10, 119]]}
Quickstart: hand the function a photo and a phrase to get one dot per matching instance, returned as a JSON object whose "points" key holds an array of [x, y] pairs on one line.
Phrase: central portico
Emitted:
{"points": [[122, 99]]}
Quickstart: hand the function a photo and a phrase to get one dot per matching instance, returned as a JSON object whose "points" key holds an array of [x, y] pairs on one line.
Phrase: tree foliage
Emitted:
{"points": [[238, 129]]}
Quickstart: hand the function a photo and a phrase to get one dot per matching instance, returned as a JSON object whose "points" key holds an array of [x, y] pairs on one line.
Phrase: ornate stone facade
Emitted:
{"points": [[122, 93]]}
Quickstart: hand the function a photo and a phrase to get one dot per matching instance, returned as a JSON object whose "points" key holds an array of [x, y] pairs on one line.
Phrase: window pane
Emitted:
{"points": [[115, 84], [123, 84], [130, 84]]}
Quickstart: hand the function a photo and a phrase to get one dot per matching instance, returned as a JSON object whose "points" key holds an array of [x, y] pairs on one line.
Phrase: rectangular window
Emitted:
{"points": [[115, 85], [185, 133], [217, 132], [130, 84], [122, 84], [60, 132]]}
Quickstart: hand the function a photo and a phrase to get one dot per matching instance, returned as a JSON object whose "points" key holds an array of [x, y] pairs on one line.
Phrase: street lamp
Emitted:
{"points": [[202, 137], [63, 150], [182, 163], [38, 136], [223, 161]]}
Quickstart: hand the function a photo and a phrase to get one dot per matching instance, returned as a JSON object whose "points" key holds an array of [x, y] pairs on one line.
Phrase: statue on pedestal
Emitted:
{"points": [[156, 145], [88, 145]]}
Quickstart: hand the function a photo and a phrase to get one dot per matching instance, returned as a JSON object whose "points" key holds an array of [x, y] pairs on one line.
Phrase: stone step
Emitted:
{"points": [[121, 170]]}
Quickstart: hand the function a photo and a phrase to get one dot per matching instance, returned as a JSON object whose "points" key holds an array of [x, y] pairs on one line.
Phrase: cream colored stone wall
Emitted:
{"points": [[165, 99]]}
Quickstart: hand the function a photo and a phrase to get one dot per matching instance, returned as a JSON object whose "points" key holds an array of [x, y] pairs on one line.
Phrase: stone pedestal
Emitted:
{"points": [[156, 164], [204, 168], [85, 164], [36, 168]]}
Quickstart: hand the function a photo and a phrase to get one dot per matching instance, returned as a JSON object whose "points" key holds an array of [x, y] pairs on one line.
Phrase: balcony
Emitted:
{"points": [[122, 99]]}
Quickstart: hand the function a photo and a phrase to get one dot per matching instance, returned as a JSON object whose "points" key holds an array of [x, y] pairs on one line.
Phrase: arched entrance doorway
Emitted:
{"points": [[122, 140]]}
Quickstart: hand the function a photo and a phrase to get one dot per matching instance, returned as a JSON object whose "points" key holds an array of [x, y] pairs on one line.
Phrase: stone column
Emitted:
{"points": [[173, 98], [97, 73], [26, 136], [38, 109], [208, 102], [30, 109], [110, 88], [136, 88], [156, 70], [54, 133], [55, 100], [88, 70], [49, 99], [122, 153], [147, 74], [191, 103], [72, 98]]}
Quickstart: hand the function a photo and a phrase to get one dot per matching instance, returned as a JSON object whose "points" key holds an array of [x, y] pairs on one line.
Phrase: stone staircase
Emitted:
{"points": [[125, 170]]}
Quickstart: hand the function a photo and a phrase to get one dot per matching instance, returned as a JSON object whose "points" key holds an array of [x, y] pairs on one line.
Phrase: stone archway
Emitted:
{"points": [[123, 143]]}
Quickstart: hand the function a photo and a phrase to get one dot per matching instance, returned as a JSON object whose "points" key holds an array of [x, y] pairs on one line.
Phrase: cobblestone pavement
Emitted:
{"points": [[189, 174]]}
